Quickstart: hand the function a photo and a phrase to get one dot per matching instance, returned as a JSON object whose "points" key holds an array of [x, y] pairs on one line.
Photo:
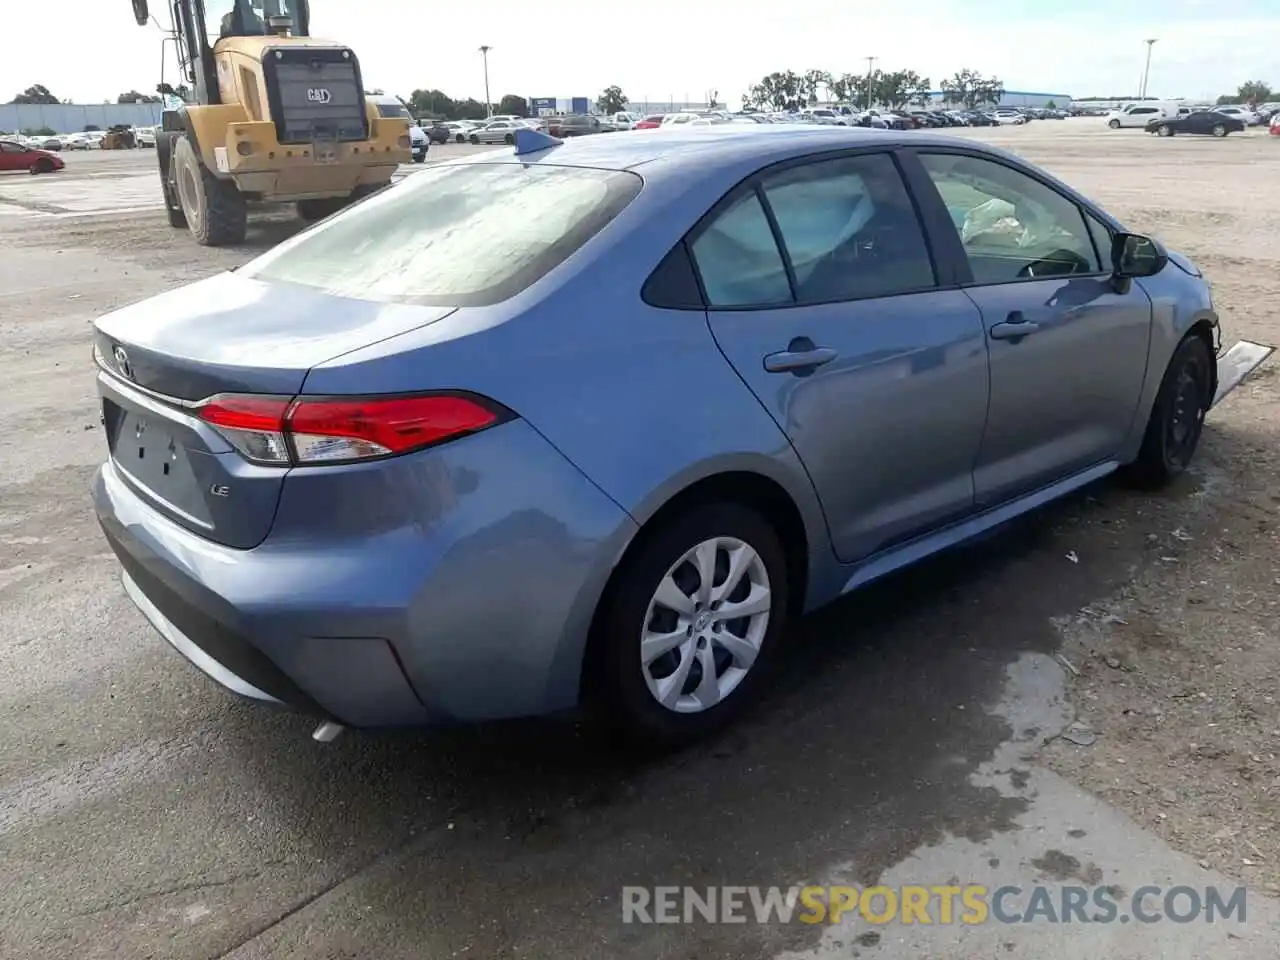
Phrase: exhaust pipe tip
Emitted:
{"points": [[327, 732]]}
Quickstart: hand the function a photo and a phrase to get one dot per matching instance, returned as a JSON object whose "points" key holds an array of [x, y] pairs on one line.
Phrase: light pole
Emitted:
{"points": [[488, 103], [870, 63], [1146, 70]]}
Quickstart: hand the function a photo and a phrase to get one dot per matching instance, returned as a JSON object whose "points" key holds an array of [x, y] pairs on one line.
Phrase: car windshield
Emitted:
{"points": [[465, 235], [394, 110]]}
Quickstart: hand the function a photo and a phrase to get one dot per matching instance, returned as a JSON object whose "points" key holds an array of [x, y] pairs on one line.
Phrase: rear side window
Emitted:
{"points": [[738, 258], [850, 229], [465, 235]]}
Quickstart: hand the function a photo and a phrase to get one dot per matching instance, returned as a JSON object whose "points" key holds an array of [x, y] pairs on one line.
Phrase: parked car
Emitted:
{"points": [[437, 131], [574, 125], [467, 490], [19, 156], [496, 131], [395, 108], [1209, 123], [650, 122], [1140, 114], [1005, 117], [1275, 125], [145, 136], [1243, 114]]}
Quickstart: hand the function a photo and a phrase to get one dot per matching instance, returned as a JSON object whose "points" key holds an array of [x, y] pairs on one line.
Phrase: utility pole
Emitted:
{"points": [[488, 102], [870, 63], [1146, 70]]}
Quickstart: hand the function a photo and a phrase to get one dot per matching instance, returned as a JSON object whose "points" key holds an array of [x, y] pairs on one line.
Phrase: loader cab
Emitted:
{"points": [[253, 18]]}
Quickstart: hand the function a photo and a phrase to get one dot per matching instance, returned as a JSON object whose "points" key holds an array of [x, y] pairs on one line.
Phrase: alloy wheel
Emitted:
{"points": [[705, 625]]}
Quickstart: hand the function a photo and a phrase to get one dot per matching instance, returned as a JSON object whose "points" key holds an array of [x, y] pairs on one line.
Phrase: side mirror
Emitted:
{"points": [[1133, 255], [140, 12]]}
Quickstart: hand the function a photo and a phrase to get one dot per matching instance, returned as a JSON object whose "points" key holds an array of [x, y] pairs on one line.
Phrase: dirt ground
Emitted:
{"points": [[146, 813]]}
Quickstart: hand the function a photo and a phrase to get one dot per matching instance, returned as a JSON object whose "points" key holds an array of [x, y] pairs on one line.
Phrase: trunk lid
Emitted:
{"points": [[227, 334]]}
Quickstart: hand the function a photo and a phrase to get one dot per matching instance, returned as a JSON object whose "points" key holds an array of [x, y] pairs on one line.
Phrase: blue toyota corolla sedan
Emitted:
{"points": [[592, 422]]}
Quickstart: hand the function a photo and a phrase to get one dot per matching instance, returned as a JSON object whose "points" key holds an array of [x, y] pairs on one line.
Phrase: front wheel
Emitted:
{"points": [[691, 626], [214, 209], [1219, 130], [1164, 130], [43, 165], [1114, 124], [420, 157], [1177, 417]]}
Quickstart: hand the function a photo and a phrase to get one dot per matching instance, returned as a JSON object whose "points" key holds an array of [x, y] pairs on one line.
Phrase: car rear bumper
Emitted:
{"points": [[453, 585]]}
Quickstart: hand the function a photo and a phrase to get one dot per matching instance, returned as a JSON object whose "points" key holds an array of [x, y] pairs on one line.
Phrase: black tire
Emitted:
{"points": [[509, 139], [43, 165], [1114, 124], [313, 210], [1164, 130], [420, 157], [615, 679], [1220, 130], [1177, 417], [215, 210], [461, 138], [475, 141], [164, 159]]}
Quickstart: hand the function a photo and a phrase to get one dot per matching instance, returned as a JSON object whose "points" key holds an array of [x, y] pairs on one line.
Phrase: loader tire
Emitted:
{"points": [[214, 209]]}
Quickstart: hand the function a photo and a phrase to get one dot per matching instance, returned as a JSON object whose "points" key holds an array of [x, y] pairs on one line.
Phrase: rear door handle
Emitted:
{"points": [[799, 361], [1014, 328]]}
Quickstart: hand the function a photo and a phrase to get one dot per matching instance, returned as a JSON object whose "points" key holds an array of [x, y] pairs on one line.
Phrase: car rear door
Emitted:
{"points": [[13, 156], [822, 293], [1068, 348]]}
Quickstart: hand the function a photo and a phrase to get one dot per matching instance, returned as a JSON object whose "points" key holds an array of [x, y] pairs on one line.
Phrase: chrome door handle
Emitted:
{"points": [[1015, 327], [799, 361]]}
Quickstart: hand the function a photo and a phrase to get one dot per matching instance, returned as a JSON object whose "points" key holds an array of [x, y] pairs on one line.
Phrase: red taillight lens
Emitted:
{"points": [[254, 425], [327, 430], [281, 430]]}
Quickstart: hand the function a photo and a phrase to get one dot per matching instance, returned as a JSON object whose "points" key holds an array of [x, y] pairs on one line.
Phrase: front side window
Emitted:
{"points": [[1012, 226], [464, 235], [850, 229]]}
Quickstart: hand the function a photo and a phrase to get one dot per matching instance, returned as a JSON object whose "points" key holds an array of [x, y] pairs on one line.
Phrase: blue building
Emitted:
{"points": [[75, 117], [1022, 98]]}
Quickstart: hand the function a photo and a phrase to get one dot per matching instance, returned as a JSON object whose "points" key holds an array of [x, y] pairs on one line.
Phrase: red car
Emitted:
{"points": [[1275, 125], [16, 156], [651, 122]]}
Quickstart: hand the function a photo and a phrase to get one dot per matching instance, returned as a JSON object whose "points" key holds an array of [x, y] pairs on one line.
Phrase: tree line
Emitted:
{"points": [[788, 90]]}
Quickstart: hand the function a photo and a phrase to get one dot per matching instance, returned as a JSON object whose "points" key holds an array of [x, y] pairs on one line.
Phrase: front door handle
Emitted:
{"points": [[1015, 327], [801, 358]]}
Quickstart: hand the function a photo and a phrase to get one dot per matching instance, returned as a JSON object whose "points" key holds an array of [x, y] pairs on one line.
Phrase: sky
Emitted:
{"points": [[671, 49]]}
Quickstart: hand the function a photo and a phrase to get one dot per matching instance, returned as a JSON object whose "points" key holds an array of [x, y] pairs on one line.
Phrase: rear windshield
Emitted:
{"points": [[464, 235]]}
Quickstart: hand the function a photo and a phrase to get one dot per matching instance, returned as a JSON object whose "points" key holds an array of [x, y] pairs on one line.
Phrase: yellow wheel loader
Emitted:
{"points": [[276, 116]]}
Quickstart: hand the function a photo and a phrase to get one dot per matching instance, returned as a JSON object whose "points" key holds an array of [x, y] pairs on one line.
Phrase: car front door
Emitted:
{"points": [[1068, 347], [13, 156], [822, 293]]}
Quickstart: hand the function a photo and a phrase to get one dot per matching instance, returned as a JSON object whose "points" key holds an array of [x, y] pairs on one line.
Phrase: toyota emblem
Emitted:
{"points": [[122, 363]]}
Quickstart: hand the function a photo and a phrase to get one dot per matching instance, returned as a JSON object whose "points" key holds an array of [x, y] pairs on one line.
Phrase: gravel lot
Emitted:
{"points": [[144, 813]]}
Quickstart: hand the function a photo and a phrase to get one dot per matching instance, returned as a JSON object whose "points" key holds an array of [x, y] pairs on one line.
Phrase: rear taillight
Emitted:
{"points": [[284, 430]]}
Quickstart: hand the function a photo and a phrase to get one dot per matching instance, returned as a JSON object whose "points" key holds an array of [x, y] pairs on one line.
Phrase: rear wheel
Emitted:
{"points": [[1219, 130], [1114, 124], [691, 626], [214, 209], [164, 158], [1177, 418], [510, 138], [460, 138], [475, 140]]}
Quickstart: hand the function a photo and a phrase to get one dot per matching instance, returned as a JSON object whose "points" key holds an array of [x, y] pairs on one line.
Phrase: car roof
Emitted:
{"points": [[680, 146]]}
